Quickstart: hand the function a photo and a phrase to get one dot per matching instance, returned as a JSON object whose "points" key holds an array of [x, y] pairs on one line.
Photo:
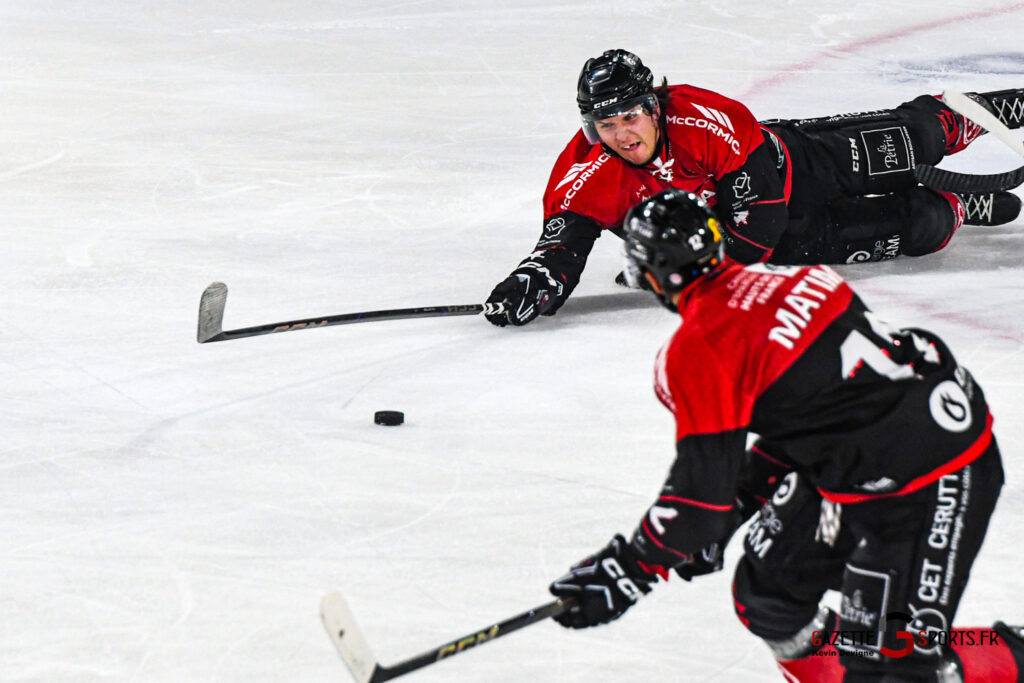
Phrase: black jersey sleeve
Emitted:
{"points": [[563, 248], [696, 506], [751, 203]]}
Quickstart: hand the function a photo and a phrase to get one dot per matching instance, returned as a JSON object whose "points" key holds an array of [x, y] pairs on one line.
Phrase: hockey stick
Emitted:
{"points": [[211, 316], [950, 181], [965, 106], [348, 639]]}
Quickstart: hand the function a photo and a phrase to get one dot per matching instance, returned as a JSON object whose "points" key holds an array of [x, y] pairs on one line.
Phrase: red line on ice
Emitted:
{"points": [[857, 45], [800, 67]]}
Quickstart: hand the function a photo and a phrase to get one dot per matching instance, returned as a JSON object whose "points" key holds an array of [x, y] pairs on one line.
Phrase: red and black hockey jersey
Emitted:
{"points": [[710, 145], [792, 354]]}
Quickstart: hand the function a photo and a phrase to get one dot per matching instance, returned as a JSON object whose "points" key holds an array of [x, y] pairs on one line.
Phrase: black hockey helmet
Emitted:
{"points": [[675, 237], [611, 85]]}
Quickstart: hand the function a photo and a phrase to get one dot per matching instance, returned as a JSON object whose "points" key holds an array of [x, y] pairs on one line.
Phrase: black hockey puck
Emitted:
{"points": [[389, 417]]}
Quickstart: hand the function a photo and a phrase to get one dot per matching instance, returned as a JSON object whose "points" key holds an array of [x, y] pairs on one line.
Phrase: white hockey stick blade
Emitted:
{"points": [[211, 312], [347, 638], [964, 105]]}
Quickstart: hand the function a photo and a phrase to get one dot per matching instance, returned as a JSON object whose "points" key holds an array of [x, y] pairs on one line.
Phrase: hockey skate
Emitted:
{"points": [[989, 208], [1006, 105]]}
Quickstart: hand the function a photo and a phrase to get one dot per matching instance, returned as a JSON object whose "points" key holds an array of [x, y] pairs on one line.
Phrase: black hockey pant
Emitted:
{"points": [[854, 197], [892, 559]]}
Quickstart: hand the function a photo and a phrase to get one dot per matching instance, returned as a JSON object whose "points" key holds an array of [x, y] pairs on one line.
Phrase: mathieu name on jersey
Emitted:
{"points": [[792, 354], [742, 329]]}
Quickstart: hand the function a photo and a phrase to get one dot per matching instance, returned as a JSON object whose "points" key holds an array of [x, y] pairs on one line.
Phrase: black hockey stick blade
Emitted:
{"points": [[211, 317], [949, 181], [343, 631]]}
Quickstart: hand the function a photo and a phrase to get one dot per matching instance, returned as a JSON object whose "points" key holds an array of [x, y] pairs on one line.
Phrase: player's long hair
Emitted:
{"points": [[661, 92]]}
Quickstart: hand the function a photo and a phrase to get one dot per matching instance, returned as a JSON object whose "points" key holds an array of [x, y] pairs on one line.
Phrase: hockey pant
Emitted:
{"points": [[892, 559], [854, 197]]}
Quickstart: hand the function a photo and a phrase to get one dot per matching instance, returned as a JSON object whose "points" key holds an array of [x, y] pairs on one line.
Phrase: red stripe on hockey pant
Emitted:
{"points": [[740, 607], [973, 452], [820, 667], [984, 662]]}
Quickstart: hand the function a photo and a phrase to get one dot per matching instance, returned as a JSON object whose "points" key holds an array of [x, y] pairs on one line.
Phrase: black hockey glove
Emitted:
{"points": [[529, 291], [604, 586]]}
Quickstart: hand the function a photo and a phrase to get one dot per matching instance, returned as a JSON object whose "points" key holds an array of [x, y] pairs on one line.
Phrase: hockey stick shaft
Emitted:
{"points": [[951, 181], [349, 641], [214, 298], [965, 106]]}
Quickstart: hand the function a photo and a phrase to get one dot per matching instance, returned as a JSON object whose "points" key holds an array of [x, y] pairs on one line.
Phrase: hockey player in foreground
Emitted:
{"points": [[839, 189], [890, 471]]}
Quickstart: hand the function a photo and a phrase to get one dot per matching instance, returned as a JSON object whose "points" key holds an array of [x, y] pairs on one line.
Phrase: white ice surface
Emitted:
{"points": [[173, 512]]}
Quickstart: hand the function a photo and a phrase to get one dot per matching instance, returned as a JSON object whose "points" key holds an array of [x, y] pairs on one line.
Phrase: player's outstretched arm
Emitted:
{"points": [[545, 279], [531, 289]]}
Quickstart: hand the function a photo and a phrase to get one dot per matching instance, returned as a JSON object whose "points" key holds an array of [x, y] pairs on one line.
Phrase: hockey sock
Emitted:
{"points": [[820, 667], [989, 655]]}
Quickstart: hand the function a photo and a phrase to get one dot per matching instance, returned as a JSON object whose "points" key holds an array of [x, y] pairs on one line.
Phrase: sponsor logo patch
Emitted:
{"points": [[554, 227], [715, 122], [741, 186], [950, 407], [574, 171], [578, 175], [888, 150]]}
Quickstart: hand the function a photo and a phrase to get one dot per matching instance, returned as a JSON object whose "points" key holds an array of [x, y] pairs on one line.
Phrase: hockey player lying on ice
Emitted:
{"points": [[832, 190], [876, 464]]}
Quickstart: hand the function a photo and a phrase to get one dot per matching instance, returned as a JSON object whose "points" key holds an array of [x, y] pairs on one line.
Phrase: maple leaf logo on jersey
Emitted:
{"points": [[663, 169], [573, 173]]}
